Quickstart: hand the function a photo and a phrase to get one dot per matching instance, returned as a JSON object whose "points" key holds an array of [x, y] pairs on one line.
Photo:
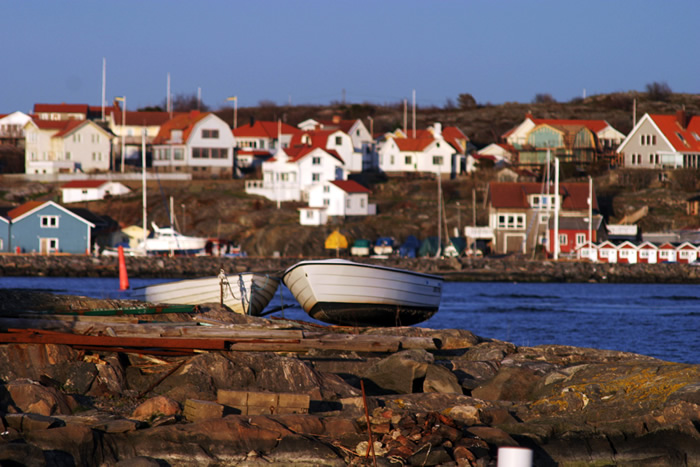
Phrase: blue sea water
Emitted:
{"points": [[658, 320]]}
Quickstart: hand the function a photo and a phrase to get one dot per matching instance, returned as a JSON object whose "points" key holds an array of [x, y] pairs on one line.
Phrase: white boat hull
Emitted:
{"points": [[246, 293], [355, 294]]}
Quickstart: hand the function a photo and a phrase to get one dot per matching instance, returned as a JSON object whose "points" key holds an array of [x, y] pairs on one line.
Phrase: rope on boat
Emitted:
{"points": [[241, 288]]}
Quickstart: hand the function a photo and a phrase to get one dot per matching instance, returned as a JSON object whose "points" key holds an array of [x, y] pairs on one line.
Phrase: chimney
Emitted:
{"points": [[252, 120], [437, 130], [681, 118]]}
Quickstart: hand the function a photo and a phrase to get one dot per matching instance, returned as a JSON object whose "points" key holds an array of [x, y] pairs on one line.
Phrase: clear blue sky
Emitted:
{"points": [[310, 51]]}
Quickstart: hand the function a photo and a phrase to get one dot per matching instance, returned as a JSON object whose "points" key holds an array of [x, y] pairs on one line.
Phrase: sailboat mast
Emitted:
{"points": [[143, 182], [556, 208]]}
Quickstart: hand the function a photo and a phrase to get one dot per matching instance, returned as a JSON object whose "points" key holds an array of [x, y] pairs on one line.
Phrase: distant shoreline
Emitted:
{"points": [[509, 269]]}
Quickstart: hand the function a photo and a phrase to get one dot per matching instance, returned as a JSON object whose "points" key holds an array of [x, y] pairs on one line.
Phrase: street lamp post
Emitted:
{"points": [[235, 110], [123, 137]]}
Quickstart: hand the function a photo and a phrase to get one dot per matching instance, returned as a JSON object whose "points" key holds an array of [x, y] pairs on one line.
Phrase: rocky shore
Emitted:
{"points": [[371, 396], [509, 269]]}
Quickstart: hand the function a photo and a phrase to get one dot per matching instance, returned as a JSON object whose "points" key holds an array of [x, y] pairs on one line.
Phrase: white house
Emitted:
{"points": [[500, 152], [342, 198], [197, 143], [331, 140], [12, 127], [662, 141], [66, 146], [90, 190], [365, 155], [419, 155], [290, 174]]}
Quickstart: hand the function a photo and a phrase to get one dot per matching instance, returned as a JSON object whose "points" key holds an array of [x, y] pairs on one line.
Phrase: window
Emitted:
{"points": [[580, 239], [316, 177], [347, 203], [49, 222], [178, 154], [309, 214], [511, 221], [408, 160], [326, 189], [437, 160], [338, 140], [392, 160], [362, 202], [210, 133], [563, 239], [326, 202], [67, 155], [680, 136], [651, 158], [316, 160], [544, 218]]}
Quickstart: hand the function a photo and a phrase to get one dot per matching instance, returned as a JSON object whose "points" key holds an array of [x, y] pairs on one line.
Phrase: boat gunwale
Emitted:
{"points": [[353, 263]]}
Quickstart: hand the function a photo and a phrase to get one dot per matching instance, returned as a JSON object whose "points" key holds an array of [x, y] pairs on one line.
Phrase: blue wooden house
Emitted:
{"points": [[46, 227], [4, 231]]}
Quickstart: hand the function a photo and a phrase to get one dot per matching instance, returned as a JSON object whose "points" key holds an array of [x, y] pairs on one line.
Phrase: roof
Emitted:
{"points": [[264, 129], [319, 138], [147, 118], [299, 152], [456, 138], [682, 139], [514, 195], [350, 186], [343, 125], [62, 108], [84, 184], [184, 122], [413, 144], [24, 208], [69, 127], [594, 125]]}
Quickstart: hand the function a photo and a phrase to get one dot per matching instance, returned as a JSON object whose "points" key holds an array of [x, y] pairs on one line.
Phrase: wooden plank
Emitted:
{"points": [[39, 337]]}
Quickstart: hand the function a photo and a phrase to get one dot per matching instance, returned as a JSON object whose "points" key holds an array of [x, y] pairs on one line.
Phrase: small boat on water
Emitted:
{"points": [[166, 240], [245, 293], [343, 292]]}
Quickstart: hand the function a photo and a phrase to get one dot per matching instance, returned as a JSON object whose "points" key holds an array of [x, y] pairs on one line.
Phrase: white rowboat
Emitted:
{"points": [[245, 293], [343, 292]]}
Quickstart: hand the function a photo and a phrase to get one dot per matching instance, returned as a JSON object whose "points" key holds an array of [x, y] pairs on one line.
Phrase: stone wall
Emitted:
{"points": [[511, 269]]}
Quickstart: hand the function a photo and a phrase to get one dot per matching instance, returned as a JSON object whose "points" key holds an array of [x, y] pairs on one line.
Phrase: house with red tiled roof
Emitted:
{"points": [[331, 140], [65, 111], [292, 171], [520, 213], [264, 135], [336, 198], [365, 157], [66, 146], [199, 143], [76, 191], [431, 150], [662, 141]]}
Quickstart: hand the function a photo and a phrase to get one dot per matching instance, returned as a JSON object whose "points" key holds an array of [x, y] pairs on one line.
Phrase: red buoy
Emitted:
{"points": [[123, 277]]}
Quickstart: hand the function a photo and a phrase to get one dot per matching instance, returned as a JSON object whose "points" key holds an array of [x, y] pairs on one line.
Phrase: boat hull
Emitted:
{"points": [[246, 293], [355, 294]]}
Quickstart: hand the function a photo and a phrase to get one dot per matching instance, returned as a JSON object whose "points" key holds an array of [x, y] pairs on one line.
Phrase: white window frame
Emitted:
{"points": [[580, 239], [49, 222]]}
